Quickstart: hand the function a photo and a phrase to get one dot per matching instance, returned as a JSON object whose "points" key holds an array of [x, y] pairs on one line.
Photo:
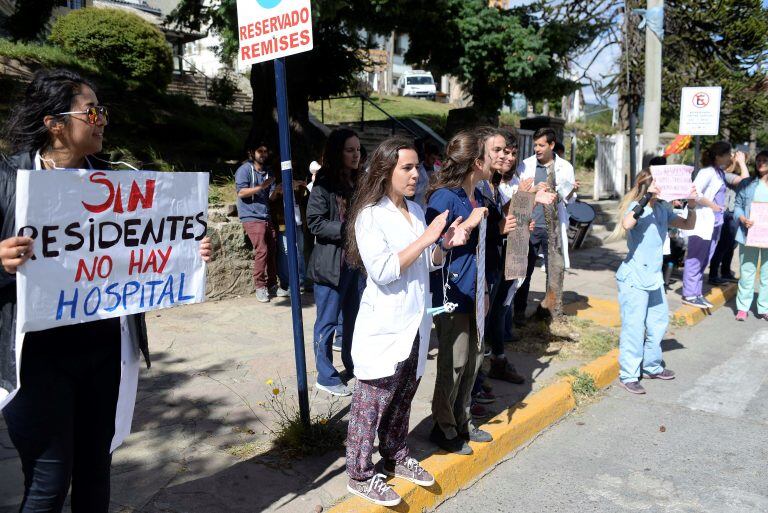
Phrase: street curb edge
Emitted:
{"points": [[511, 428]]}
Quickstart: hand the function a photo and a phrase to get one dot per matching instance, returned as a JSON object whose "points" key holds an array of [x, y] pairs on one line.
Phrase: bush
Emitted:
{"points": [[222, 91], [120, 42]]}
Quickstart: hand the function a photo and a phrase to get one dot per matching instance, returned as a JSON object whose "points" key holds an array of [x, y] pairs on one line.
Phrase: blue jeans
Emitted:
{"points": [[644, 320], [496, 329], [330, 302], [63, 418], [282, 257]]}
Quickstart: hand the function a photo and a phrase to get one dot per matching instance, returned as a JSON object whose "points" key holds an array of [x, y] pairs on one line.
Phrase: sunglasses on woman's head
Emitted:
{"points": [[92, 114]]}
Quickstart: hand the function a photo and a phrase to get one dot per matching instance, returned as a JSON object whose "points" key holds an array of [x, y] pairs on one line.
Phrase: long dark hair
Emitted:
{"points": [[763, 153], [49, 93], [372, 187], [716, 149], [462, 151], [333, 155], [642, 183]]}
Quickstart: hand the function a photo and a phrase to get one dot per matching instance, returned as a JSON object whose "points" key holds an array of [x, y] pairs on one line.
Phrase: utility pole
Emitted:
{"points": [[652, 112]]}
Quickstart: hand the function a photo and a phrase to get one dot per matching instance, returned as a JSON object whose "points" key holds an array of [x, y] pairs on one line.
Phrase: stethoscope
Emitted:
{"points": [[39, 162]]}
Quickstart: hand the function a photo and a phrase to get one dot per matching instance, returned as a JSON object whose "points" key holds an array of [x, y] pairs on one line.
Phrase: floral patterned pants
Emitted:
{"points": [[381, 406]]}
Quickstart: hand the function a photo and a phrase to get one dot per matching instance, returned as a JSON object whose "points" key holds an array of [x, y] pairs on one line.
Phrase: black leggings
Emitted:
{"points": [[63, 419]]}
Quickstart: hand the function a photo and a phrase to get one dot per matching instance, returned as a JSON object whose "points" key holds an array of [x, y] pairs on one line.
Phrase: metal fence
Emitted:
{"points": [[524, 144]]}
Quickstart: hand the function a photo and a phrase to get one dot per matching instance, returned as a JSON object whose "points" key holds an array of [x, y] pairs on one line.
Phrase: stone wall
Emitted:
{"points": [[230, 272]]}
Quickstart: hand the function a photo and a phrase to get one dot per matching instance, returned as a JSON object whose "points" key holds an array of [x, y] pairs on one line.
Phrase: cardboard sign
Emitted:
{"points": [[700, 111], [108, 244], [757, 236], [673, 181], [480, 284], [516, 259], [269, 29]]}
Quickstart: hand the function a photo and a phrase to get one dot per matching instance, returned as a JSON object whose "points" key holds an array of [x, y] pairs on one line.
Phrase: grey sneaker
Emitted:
{"points": [[340, 390], [262, 295], [281, 292], [666, 374], [410, 470], [696, 301], [477, 435], [374, 490], [633, 387], [706, 302]]}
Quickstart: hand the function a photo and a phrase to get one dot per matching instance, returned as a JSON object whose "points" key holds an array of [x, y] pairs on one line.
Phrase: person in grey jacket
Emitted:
{"points": [[70, 402]]}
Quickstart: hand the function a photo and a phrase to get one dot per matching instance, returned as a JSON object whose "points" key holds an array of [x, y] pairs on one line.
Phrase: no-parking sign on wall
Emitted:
{"points": [[268, 29], [700, 111]]}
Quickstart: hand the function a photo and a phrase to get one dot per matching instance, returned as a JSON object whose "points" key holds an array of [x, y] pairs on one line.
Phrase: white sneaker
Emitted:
{"points": [[340, 390]]}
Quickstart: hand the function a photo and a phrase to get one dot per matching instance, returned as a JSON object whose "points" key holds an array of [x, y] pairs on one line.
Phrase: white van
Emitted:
{"points": [[418, 83]]}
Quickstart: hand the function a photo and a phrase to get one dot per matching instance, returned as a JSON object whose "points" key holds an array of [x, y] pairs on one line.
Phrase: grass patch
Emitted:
{"points": [[597, 342], [677, 322], [222, 190], [582, 384], [347, 110], [570, 338], [45, 55], [509, 119]]}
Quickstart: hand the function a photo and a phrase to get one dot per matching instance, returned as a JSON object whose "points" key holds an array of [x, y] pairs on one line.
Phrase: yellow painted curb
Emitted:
{"points": [[604, 312], [718, 296], [510, 429]]}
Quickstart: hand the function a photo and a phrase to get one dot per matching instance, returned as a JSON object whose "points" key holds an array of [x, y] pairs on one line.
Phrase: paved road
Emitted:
{"points": [[695, 444]]}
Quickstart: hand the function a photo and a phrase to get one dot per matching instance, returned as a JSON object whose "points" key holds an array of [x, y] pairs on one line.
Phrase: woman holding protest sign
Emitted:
{"points": [[79, 381], [711, 184], [462, 287], [750, 191], [337, 286], [388, 237], [642, 300]]}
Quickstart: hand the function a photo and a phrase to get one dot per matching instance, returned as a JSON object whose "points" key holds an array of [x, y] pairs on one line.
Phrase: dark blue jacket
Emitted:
{"points": [[461, 268]]}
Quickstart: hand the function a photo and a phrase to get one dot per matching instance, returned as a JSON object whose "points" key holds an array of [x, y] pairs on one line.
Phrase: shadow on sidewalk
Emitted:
{"points": [[598, 258]]}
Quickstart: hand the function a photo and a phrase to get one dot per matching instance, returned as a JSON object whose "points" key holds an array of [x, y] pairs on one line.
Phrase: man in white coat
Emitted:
{"points": [[539, 166]]}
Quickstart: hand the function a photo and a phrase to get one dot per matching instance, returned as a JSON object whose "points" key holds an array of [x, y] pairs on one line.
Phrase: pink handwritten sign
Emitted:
{"points": [[673, 181], [757, 236]]}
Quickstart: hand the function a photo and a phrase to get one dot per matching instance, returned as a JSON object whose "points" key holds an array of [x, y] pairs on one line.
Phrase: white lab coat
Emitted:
{"points": [[708, 182], [565, 180], [394, 303]]}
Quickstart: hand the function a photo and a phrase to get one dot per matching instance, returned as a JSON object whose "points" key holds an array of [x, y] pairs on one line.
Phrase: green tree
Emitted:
{"points": [[119, 41], [495, 52], [721, 43], [330, 68]]}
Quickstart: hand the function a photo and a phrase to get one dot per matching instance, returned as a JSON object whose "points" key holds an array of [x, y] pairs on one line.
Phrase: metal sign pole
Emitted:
{"points": [[696, 155], [290, 232]]}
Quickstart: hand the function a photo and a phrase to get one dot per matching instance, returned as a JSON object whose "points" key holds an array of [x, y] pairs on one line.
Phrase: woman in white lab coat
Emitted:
{"points": [[387, 235]]}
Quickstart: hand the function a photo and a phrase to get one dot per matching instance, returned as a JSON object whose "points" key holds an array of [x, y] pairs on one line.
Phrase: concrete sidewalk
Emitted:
{"points": [[199, 441]]}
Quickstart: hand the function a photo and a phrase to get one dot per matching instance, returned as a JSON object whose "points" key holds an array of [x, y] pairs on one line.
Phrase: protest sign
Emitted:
{"points": [[108, 243], [673, 181], [480, 284], [516, 260], [757, 236]]}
